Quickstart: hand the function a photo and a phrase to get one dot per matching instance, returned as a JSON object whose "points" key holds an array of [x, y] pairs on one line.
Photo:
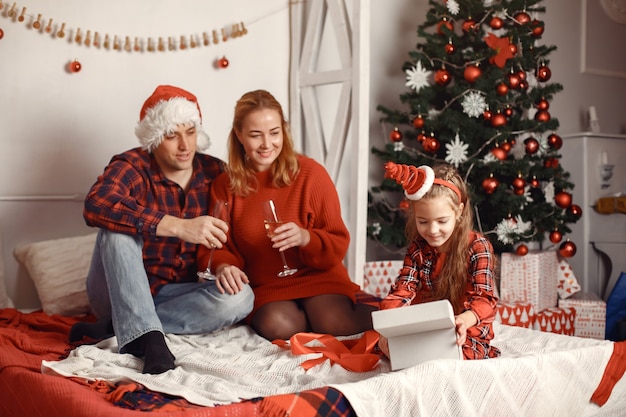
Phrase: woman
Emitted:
{"points": [[263, 165]]}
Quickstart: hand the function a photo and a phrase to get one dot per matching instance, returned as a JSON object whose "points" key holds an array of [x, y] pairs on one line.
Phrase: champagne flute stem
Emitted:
{"points": [[208, 267], [282, 256]]}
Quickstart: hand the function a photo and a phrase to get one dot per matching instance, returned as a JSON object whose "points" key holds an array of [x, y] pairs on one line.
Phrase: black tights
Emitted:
{"points": [[329, 313]]}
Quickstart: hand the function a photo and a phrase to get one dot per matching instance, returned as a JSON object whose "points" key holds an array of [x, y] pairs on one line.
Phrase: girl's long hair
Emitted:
{"points": [[453, 275], [240, 171]]}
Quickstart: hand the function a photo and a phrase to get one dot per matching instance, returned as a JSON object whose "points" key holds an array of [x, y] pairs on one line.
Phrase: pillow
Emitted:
{"points": [[59, 270]]}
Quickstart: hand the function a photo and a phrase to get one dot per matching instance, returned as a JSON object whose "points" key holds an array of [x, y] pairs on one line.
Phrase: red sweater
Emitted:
{"points": [[311, 201]]}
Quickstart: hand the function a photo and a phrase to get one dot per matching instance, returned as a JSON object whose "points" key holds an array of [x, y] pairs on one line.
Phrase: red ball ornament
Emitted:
{"points": [[223, 62], [502, 89], [519, 182], [555, 141], [567, 249], [542, 116], [74, 66], [498, 120], [523, 85], [499, 153], [521, 250], [508, 112], [522, 17], [556, 236], [543, 104], [442, 77], [534, 182], [490, 184], [418, 122], [395, 135], [563, 199], [472, 73], [506, 146], [531, 145], [496, 23], [513, 48], [575, 210], [431, 145], [543, 73], [1, 33], [450, 48], [537, 28], [487, 115], [444, 25], [468, 25], [513, 80], [551, 163], [518, 191], [421, 137]]}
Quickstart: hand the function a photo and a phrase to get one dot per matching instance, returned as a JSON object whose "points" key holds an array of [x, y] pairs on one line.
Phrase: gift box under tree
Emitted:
{"points": [[519, 313], [556, 320], [590, 314]]}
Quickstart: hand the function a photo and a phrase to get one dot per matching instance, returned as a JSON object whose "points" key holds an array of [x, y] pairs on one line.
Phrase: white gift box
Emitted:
{"points": [[590, 314], [418, 333], [532, 278]]}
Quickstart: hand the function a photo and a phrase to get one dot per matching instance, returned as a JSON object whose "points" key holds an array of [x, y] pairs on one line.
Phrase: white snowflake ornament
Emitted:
{"points": [[398, 146], [417, 77], [457, 151], [453, 7], [474, 104]]}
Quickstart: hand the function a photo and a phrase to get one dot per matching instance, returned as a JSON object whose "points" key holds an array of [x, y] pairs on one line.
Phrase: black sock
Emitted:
{"points": [[152, 347], [97, 331]]}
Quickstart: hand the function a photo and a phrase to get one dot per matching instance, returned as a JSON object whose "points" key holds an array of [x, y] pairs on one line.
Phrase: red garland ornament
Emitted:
{"points": [[490, 184], [74, 66], [531, 145], [395, 135], [521, 250], [472, 73], [575, 210], [223, 62], [567, 249], [556, 236], [563, 199], [418, 122], [555, 141], [543, 73], [442, 77]]}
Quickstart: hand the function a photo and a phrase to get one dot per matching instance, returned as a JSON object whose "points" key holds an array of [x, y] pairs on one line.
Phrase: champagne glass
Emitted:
{"points": [[272, 221], [220, 211]]}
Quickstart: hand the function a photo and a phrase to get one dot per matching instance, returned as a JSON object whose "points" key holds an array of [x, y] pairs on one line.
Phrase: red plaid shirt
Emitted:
{"points": [[132, 196]]}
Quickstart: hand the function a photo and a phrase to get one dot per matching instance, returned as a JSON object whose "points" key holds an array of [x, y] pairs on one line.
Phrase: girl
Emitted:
{"points": [[446, 259]]}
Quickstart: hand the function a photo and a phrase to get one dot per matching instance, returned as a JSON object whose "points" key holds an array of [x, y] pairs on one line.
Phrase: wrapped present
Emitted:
{"points": [[567, 283], [531, 278], [556, 320], [378, 276], [518, 314], [590, 314]]}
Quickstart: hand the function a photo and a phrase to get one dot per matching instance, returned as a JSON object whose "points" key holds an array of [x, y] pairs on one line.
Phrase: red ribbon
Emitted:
{"points": [[352, 354]]}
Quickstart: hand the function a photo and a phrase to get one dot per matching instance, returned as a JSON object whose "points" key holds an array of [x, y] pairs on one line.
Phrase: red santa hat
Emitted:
{"points": [[163, 111], [416, 181]]}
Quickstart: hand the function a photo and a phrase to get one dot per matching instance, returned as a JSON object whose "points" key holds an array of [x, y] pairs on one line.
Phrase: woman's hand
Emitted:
{"points": [[230, 279], [290, 235]]}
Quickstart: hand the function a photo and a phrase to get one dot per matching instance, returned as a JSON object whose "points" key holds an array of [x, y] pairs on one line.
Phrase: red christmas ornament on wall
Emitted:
{"points": [[555, 236], [490, 184], [222, 62], [418, 122], [496, 23], [543, 73], [531, 145], [575, 210], [498, 120], [395, 135], [563, 199], [442, 77], [472, 73], [567, 249], [74, 66], [555, 141], [521, 250]]}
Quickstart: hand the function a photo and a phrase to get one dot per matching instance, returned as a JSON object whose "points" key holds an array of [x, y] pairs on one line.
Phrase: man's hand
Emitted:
{"points": [[230, 279], [203, 230]]}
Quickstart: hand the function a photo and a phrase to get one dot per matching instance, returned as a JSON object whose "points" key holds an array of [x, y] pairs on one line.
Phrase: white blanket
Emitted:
{"points": [[540, 374]]}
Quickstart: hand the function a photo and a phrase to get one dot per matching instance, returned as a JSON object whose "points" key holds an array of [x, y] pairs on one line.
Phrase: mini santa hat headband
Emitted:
{"points": [[163, 111], [417, 181]]}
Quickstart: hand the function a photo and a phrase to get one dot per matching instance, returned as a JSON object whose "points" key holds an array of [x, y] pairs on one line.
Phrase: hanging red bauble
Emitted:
{"points": [[496, 23], [555, 141], [508, 112], [519, 182], [534, 182], [222, 62], [502, 89], [490, 184], [522, 17], [442, 77], [575, 210], [537, 28], [532, 145], [521, 74], [471, 73], [523, 85], [563, 199], [431, 145], [567, 249], [450, 48], [404, 205], [506, 146], [518, 191], [513, 80], [521, 250], [445, 24], [543, 73], [499, 153], [513, 49], [421, 137], [468, 25], [395, 135], [74, 66], [551, 163], [542, 116], [487, 115], [498, 120], [556, 236], [418, 122], [543, 104], [1, 33]]}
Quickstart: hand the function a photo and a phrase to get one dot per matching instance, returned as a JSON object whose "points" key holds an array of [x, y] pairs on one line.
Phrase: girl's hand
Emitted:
{"points": [[462, 322], [230, 279], [290, 235], [383, 344]]}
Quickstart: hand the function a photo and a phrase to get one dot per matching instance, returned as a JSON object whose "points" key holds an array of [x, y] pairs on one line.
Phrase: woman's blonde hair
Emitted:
{"points": [[453, 275], [240, 171]]}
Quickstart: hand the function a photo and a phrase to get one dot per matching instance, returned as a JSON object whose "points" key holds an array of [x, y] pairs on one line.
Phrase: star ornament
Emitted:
{"points": [[502, 46], [417, 77]]}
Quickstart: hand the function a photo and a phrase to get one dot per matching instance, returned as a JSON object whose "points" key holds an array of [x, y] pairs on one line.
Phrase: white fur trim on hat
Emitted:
{"points": [[429, 179], [164, 117]]}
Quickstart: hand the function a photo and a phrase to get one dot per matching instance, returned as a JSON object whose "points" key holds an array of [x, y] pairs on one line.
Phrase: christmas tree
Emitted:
{"points": [[478, 97]]}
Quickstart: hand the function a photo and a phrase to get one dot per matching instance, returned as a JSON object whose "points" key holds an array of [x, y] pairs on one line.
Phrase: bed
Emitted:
{"points": [[234, 372]]}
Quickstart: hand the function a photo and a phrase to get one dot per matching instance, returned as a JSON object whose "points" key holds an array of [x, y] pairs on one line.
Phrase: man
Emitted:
{"points": [[150, 206]]}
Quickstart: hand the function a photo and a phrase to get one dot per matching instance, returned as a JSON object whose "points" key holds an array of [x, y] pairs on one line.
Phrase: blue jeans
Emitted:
{"points": [[117, 286]]}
